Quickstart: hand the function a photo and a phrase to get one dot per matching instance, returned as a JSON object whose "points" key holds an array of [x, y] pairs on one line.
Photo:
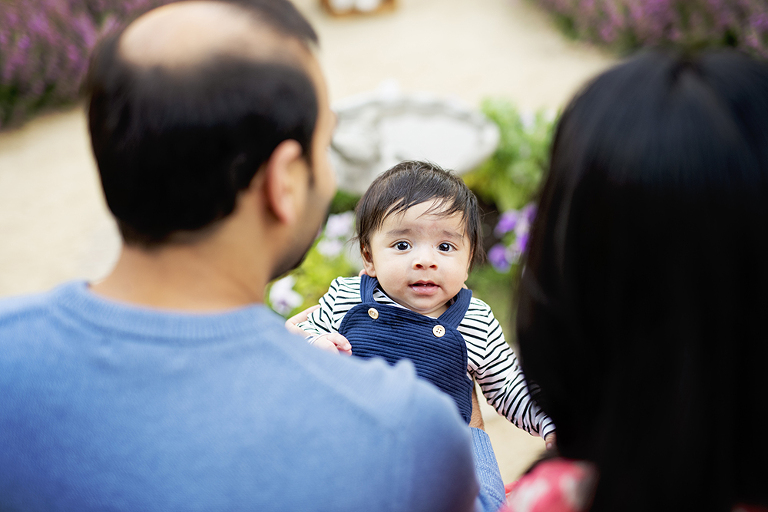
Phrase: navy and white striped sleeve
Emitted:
{"points": [[342, 295], [494, 365]]}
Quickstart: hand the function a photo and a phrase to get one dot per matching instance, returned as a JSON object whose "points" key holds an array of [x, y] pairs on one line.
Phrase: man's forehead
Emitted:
{"points": [[186, 34]]}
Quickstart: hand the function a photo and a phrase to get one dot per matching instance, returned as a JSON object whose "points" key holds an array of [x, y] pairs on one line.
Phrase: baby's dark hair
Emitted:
{"points": [[411, 183]]}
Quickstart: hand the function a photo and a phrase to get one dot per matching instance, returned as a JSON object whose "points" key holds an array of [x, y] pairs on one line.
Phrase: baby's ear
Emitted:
{"points": [[368, 262]]}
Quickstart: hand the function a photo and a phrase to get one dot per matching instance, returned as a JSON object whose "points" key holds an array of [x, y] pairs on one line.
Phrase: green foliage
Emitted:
{"points": [[316, 273], [497, 290], [511, 177], [344, 201], [331, 256], [509, 180]]}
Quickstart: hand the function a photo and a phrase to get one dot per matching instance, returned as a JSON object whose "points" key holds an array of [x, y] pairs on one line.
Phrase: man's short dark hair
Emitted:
{"points": [[174, 147], [411, 183]]}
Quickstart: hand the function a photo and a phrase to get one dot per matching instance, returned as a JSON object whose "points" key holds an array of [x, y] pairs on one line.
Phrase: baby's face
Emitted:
{"points": [[420, 259]]}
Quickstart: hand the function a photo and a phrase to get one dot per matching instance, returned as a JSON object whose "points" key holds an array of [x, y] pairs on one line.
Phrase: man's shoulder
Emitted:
{"points": [[28, 324], [388, 395], [25, 309]]}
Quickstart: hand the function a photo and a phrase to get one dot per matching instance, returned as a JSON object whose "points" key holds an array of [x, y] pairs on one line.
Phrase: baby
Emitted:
{"points": [[418, 227]]}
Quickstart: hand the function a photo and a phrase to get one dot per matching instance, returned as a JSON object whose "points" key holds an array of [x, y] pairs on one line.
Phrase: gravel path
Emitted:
{"points": [[54, 223]]}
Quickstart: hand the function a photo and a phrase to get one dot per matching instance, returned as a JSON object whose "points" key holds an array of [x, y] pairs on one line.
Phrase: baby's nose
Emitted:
{"points": [[424, 259]]}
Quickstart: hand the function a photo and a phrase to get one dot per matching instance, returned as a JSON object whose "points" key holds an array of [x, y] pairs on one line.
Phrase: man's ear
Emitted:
{"points": [[368, 262], [285, 190]]}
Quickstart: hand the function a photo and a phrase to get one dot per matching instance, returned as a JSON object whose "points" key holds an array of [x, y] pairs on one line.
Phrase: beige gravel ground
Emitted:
{"points": [[53, 222]]}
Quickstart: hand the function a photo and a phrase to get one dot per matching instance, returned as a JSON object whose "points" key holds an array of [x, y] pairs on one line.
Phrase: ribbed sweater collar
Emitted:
{"points": [[78, 303]]}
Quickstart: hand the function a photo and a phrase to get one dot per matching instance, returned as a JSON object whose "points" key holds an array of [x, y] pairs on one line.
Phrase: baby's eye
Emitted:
{"points": [[402, 246], [445, 247]]}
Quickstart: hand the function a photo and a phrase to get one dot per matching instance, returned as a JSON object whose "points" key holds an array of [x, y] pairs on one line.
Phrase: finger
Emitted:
{"points": [[340, 341], [327, 345]]}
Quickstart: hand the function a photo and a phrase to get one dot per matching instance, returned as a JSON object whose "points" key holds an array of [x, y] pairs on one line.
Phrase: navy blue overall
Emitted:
{"points": [[435, 345]]}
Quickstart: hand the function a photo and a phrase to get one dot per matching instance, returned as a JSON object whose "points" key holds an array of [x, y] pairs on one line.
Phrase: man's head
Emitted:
{"points": [[191, 100]]}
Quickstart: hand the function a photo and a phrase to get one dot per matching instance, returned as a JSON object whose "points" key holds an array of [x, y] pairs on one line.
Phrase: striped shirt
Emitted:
{"points": [[491, 361]]}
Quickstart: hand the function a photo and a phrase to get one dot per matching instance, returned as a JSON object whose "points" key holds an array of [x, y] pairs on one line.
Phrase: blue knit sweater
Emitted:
{"points": [[107, 406]]}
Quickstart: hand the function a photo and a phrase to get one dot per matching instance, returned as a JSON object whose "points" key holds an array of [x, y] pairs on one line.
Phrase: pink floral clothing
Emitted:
{"points": [[555, 485], [562, 485]]}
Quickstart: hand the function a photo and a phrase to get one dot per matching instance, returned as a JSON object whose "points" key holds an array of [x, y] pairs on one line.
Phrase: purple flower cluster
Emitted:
{"points": [[44, 48], [628, 24], [513, 229], [339, 229]]}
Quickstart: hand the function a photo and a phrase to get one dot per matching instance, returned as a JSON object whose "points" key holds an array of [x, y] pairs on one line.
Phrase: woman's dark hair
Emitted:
{"points": [[410, 183], [640, 312], [174, 147]]}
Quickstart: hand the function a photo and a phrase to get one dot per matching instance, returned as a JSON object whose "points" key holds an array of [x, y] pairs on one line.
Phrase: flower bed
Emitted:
{"points": [[44, 48], [628, 24]]}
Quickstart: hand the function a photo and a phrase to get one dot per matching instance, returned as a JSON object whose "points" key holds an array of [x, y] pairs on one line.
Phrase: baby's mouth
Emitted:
{"points": [[423, 286]]}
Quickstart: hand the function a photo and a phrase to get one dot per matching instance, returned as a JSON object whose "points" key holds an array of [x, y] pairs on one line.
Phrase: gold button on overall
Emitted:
{"points": [[438, 331], [373, 313]]}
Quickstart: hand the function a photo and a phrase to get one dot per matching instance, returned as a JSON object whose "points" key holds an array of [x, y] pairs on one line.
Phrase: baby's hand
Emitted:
{"points": [[292, 324], [333, 342], [550, 441]]}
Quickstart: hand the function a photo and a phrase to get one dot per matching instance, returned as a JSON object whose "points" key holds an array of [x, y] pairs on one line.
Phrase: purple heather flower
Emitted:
{"points": [[760, 21], [521, 242], [330, 248], [522, 228], [499, 257], [340, 225], [282, 297], [529, 212], [607, 33], [507, 222], [72, 53]]}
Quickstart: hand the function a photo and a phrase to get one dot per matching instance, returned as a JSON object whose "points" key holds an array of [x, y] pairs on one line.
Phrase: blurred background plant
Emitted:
{"points": [[626, 25], [506, 186], [44, 44], [511, 176], [44, 48], [332, 255]]}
